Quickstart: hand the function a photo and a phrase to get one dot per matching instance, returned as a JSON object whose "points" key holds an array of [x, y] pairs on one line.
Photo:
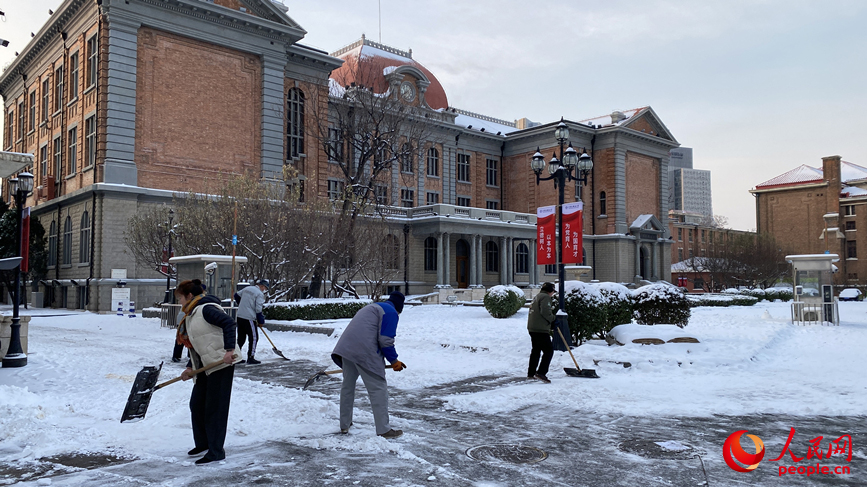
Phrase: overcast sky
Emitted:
{"points": [[755, 87]]}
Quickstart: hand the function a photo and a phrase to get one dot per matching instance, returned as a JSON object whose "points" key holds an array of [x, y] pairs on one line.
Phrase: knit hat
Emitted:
{"points": [[264, 282], [396, 298]]}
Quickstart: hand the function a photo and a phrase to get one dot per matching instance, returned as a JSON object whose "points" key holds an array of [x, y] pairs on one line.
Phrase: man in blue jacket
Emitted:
{"points": [[366, 341]]}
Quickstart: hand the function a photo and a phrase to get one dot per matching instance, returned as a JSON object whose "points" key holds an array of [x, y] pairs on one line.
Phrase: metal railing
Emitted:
{"points": [[169, 314], [815, 314]]}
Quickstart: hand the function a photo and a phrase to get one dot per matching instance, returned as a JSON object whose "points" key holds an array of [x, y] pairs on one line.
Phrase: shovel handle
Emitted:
{"points": [[195, 372], [567, 348], [266, 335]]}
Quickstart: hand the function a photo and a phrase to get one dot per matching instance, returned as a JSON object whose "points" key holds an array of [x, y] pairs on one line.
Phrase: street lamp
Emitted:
{"points": [[21, 188], [560, 172]]}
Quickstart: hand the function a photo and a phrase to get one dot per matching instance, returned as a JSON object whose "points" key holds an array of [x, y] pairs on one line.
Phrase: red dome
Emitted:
{"points": [[367, 63]]}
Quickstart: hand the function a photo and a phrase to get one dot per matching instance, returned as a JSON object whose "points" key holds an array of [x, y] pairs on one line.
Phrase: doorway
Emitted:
{"points": [[462, 263]]}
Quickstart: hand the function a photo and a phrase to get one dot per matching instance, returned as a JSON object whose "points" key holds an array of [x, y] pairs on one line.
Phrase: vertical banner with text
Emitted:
{"points": [[573, 226], [546, 225]]}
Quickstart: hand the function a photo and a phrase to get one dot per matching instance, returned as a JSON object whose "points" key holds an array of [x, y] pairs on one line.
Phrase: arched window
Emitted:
{"points": [[433, 162], [522, 259], [430, 254], [492, 256], [392, 252], [406, 158], [294, 123], [84, 239], [602, 209], [52, 244], [67, 241]]}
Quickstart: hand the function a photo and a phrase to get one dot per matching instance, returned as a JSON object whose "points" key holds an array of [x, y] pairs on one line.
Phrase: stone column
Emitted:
{"points": [[619, 200], [653, 273], [447, 260], [441, 263], [480, 254], [638, 258], [503, 264], [533, 268], [510, 261]]}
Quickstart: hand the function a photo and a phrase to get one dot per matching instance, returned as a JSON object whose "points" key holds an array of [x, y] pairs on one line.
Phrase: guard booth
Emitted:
{"points": [[814, 301], [215, 272]]}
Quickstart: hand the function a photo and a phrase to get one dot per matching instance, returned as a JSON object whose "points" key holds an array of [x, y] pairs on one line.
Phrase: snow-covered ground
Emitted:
{"points": [[750, 360]]}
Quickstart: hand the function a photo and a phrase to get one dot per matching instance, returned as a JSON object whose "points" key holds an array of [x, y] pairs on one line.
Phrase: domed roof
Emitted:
{"points": [[367, 63]]}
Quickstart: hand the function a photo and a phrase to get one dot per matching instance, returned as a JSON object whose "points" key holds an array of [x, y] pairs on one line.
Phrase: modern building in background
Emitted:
{"points": [[689, 188], [126, 103]]}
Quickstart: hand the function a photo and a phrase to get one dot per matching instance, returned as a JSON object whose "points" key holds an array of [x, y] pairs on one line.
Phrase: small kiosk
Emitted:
{"points": [[814, 301]]}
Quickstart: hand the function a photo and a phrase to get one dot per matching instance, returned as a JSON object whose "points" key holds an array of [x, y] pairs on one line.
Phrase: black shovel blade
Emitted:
{"points": [[278, 352], [140, 395], [583, 373], [314, 379]]}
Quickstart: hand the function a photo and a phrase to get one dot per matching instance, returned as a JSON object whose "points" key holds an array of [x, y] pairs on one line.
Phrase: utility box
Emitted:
{"points": [[814, 300], [215, 271]]}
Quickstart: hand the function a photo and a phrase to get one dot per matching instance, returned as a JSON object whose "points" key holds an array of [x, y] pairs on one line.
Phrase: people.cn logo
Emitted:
{"points": [[732, 448]]}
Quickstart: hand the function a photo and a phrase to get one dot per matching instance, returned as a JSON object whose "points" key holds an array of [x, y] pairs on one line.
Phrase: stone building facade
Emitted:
{"points": [[126, 102]]}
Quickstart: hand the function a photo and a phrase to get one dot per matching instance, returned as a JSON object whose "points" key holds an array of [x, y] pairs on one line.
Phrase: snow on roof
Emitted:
{"points": [[478, 124], [641, 220], [605, 120], [853, 191], [852, 172], [802, 174]]}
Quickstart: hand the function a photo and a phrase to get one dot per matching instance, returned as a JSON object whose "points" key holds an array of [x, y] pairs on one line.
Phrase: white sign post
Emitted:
{"points": [[120, 299]]}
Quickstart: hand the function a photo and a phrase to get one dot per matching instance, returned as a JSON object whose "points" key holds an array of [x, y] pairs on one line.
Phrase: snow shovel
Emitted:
{"points": [[319, 375], [143, 388], [273, 347], [576, 372]]}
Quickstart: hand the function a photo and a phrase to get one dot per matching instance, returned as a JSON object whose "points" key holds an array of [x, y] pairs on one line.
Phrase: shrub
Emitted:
{"points": [[585, 305], [657, 304], [504, 301], [313, 311], [720, 300], [618, 305]]}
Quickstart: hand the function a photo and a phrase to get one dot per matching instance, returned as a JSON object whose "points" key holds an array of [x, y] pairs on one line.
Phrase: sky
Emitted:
{"points": [[755, 87]]}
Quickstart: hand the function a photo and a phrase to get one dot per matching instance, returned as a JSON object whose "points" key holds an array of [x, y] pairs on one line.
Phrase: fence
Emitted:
{"points": [[815, 314], [169, 314]]}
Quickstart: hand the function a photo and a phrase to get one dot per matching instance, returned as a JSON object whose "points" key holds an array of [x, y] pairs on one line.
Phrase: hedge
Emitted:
{"points": [[504, 301], [657, 304], [313, 311]]}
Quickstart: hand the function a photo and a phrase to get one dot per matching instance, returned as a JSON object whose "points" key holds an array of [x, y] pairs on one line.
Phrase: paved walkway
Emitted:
{"points": [[583, 448]]}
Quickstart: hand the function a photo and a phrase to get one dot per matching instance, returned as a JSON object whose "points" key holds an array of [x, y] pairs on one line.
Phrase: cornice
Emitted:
{"points": [[790, 188]]}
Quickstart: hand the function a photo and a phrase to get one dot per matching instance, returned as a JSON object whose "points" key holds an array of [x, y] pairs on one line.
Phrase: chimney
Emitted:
{"points": [[617, 116]]}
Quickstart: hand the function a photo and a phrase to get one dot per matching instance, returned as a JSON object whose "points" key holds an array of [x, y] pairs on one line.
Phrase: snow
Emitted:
{"points": [[478, 124], [751, 360], [850, 293], [501, 291], [631, 331]]}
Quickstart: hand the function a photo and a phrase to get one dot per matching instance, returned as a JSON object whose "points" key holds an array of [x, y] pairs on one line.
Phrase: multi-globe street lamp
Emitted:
{"points": [[561, 170], [21, 188]]}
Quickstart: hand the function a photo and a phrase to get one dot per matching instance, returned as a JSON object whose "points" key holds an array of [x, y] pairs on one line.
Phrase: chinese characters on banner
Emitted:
{"points": [[573, 244], [546, 249]]}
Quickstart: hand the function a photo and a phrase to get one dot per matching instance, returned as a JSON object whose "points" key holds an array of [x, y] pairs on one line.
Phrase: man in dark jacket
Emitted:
{"points": [[539, 325], [366, 341]]}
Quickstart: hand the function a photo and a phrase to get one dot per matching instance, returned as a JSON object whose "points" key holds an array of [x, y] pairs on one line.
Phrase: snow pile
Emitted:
{"points": [[502, 291]]}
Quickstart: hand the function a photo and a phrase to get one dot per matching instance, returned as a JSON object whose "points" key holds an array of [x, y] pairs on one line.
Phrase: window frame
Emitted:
{"points": [[492, 256], [407, 161], [58, 89], [72, 151], [52, 244], [89, 142], [295, 104], [337, 190], [462, 168], [603, 204], [57, 152], [73, 77], [84, 239], [46, 98], [92, 46], [436, 197], [492, 173], [21, 119], [430, 254], [67, 241], [31, 115], [433, 161], [407, 197], [522, 259], [463, 201]]}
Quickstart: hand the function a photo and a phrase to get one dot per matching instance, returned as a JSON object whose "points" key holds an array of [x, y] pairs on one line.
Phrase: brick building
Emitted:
{"points": [[126, 102], [819, 209]]}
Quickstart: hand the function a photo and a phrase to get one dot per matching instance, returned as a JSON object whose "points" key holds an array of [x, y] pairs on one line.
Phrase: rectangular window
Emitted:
{"points": [[689, 232], [58, 159], [550, 268], [46, 94], [433, 162], [90, 141], [58, 89], [679, 255], [406, 158], [849, 210], [680, 235], [91, 61], [334, 147], [31, 117], [492, 205], [335, 190], [702, 236], [407, 198], [850, 225], [463, 168], [462, 201], [491, 173], [43, 162], [432, 198], [10, 127], [851, 249], [690, 253], [73, 76], [20, 120], [381, 193], [72, 144]]}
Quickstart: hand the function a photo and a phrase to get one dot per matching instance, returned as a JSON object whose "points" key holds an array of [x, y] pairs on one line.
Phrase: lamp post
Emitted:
{"points": [[21, 188], [169, 230], [560, 172]]}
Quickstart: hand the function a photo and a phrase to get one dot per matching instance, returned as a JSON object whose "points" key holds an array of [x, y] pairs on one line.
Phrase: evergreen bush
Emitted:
{"points": [[657, 304], [314, 311], [618, 306], [585, 305], [718, 300], [504, 301]]}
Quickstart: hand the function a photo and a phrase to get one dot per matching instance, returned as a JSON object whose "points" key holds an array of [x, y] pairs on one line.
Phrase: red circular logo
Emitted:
{"points": [[732, 448]]}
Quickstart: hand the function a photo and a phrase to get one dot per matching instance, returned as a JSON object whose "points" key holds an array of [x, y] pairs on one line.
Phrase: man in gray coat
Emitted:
{"points": [[362, 349], [539, 324], [251, 301]]}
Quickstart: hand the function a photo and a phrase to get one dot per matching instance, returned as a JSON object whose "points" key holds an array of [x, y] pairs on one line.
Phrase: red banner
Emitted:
{"points": [[573, 226], [546, 224], [25, 238]]}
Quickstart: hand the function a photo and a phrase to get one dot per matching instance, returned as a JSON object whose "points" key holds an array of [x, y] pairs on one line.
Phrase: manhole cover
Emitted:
{"points": [[663, 450], [507, 453]]}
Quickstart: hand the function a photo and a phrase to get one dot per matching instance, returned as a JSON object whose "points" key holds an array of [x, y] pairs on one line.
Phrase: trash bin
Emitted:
{"points": [[563, 325]]}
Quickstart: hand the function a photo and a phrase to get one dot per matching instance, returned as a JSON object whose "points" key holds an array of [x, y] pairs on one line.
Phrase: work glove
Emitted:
{"points": [[397, 366]]}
